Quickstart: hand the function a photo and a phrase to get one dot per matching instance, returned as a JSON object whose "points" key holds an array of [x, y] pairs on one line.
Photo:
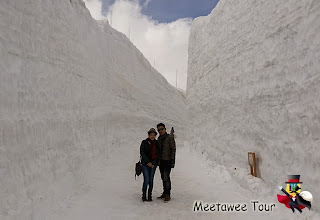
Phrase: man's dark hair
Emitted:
{"points": [[161, 124]]}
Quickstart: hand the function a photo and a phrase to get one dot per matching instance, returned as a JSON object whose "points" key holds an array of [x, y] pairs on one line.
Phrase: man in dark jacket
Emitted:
{"points": [[167, 159]]}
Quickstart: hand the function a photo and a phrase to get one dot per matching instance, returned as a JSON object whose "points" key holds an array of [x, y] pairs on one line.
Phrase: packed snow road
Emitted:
{"points": [[113, 192]]}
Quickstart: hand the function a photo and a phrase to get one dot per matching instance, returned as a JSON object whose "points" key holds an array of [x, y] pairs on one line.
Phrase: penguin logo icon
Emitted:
{"points": [[294, 198]]}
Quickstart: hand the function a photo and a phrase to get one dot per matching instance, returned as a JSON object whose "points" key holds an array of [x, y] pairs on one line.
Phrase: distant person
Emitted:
{"points": [[167, 159], [172, 131], [149, 151]]}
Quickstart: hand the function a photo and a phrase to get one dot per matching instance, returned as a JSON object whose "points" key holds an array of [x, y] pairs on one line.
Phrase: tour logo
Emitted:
{"points": [[294, 198]]}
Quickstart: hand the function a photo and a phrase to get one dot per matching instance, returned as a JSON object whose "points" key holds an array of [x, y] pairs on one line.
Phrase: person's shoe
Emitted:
{"points": [[167, 198], [144, 195], [149, 195], [162, 196]]}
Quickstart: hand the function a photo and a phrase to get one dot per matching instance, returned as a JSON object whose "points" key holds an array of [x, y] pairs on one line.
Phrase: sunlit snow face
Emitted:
{"points": [[162, 130], [152, 136], [292, 188]]}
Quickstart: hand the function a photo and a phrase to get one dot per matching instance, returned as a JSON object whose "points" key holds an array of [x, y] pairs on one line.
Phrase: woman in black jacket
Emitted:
{"points": [[149, 151]]}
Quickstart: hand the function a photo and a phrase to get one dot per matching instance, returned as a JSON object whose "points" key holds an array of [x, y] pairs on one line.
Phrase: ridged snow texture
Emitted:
{"points": [[72, 89], [254, 85]]}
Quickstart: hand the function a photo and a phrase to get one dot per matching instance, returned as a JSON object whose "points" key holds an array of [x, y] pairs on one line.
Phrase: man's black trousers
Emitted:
{"points": [[165, 169]]}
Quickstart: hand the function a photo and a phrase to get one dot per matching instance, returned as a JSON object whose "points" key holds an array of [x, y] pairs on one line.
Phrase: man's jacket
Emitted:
{"points": [[167, 146]]}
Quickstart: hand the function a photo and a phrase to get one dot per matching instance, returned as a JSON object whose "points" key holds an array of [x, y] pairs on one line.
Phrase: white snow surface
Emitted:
{"points": [[72, 90], [254, 86], [77, 97], [193, 179]]}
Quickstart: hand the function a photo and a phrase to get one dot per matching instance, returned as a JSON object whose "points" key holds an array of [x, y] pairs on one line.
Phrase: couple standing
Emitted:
{"points": [[155, 153]]}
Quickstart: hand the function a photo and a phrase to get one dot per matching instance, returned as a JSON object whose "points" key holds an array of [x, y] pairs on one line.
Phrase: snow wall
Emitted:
{"points": [[254, 85], [72, 90]]}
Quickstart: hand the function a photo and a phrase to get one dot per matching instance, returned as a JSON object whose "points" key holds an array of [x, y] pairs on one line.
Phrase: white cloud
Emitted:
{"points": [[95, 8], [166, 44], [145, 4]]}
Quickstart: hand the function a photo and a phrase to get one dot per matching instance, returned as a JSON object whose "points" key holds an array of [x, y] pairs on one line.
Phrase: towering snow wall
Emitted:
{"points": [[72, 89], [254, 85]]}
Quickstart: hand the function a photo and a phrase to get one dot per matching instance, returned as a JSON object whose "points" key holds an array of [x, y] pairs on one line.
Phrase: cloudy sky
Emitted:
{"points": [[159, 28]]}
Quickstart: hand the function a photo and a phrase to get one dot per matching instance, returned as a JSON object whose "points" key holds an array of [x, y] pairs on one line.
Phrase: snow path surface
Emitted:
{"points": [[114, 194]]}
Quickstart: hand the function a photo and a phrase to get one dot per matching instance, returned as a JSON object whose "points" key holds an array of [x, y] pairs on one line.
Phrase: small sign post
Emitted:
{"points": [[252, 163]]}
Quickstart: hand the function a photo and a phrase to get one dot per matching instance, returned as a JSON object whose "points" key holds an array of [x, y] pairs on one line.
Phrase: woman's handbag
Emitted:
{"points": [[138, 168]]}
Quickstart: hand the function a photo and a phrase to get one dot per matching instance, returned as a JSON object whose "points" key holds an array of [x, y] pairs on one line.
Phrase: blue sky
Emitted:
{"points": [[166, 11]]}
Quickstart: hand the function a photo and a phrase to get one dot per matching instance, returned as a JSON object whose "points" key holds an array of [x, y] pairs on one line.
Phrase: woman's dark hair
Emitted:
{"points": [[152, 130], [160, 124]]}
